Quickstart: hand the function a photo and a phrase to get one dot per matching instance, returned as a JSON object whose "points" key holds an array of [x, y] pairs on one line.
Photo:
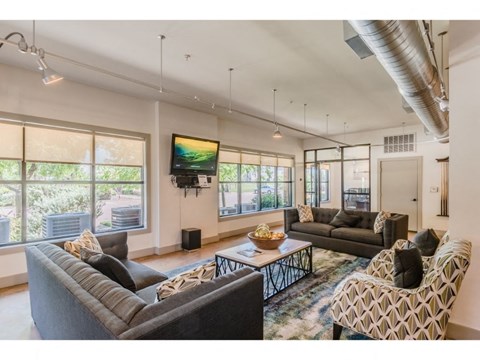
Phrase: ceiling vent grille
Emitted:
{"points": [[399, 143]]}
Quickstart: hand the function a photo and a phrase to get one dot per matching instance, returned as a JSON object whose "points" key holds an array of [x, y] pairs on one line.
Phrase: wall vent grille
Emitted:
{"points": [[399, 143]]}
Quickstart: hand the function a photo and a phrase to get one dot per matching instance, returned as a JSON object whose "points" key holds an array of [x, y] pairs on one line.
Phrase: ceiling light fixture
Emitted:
{"points": [[49, 76], [230, 100], [161, 37], [276, 134]]}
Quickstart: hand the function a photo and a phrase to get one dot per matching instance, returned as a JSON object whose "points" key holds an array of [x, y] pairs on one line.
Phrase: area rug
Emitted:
{"points": [[302, 311]]}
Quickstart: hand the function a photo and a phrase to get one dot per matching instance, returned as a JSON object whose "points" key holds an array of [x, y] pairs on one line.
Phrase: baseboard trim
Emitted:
{"points": [[167, 249], [12, 280], [461, 332], [245, 230], [135, 254]]}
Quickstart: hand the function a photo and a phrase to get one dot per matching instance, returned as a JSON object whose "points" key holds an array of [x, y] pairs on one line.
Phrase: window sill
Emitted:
{"points": [[252, 214]]}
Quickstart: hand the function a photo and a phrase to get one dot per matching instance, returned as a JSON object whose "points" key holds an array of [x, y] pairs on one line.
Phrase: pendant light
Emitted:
{"points": [[276, 134]]}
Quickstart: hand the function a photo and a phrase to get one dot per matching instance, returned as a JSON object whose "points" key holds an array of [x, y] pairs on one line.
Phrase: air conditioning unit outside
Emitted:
{"points": [[128, 216], [65, 224], [4, 230]]}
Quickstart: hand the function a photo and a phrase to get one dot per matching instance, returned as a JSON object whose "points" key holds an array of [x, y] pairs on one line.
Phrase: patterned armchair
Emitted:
{"points": [[368, 303]]}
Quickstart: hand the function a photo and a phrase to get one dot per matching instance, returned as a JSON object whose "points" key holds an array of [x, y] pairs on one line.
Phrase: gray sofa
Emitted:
{"points": [[71, 300], [359, 240]]}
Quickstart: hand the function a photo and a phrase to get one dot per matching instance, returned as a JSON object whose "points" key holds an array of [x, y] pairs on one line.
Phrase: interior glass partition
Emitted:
{"points": [[338, 178]]}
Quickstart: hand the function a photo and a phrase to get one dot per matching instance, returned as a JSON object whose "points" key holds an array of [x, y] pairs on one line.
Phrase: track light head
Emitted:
{"points": [[22, 46], [49, 76], [277, 134]]}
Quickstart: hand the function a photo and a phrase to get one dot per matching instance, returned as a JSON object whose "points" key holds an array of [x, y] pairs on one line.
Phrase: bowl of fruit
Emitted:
{"points": [[265, 239]]}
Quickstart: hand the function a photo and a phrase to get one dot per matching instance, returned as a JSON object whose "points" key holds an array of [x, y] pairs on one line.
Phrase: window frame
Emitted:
{"points": [[238, 182], [144, 182]]}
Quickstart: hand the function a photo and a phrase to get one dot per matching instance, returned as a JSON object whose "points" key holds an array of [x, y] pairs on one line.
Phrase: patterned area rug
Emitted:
{"points": [[302, 311]]}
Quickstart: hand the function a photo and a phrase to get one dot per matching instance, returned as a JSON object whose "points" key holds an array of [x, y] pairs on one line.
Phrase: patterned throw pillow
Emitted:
{"points": [[87, 240], [380, 221], [305, 213], [186, 280]]}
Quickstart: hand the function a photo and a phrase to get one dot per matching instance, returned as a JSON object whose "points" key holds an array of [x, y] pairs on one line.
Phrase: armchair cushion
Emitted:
{"points": [[426, 241], [407, 267]]}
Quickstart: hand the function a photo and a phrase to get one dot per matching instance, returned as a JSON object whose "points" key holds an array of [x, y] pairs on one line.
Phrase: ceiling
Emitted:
{"points": [[307, 61]]}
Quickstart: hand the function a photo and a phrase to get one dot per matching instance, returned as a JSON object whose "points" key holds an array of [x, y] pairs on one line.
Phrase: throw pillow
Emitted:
{"points": [[86, 240], [186, 280], [342, 219], [426, 241], [110, 267], [305, 213], [407, 267], [380, 221]]}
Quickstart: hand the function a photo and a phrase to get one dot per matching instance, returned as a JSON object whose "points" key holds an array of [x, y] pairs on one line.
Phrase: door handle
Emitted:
{"points": [[414, 199]]}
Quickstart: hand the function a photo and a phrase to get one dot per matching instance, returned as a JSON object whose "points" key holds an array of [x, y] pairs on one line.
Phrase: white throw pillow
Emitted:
{"points": [[86, 240], [380, 221], [305, 213], [186, 280]]}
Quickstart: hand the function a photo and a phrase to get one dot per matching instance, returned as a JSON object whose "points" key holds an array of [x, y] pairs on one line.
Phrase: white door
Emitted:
{"points": [[399, 188]]}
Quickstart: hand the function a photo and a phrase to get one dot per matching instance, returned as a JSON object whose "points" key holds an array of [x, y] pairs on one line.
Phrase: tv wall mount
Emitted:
{"points": [[186, 182]]}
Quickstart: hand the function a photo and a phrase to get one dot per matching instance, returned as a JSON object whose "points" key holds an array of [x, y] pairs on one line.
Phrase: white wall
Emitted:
{"points": [[464, 161], [431, 169], [22, 92]]}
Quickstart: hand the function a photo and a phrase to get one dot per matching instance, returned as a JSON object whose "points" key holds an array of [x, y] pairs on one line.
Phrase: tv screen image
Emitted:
{"points": [[192, 155]]}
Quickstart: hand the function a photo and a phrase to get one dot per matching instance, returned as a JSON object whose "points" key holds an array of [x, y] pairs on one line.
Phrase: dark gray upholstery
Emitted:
{"points": [[115, 244], [71, 300], [359, 240], [313, 228]]}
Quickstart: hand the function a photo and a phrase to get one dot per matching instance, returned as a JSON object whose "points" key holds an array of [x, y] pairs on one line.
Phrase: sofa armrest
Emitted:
{"points": [[396, 227], [290, 216]]}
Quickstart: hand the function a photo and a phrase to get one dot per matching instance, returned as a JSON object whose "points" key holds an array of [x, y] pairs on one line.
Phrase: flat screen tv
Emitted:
{"points": [[193, 156]]}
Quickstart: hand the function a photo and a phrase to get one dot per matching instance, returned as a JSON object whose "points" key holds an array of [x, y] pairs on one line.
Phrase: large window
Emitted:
{"points": [[56, 182], [251, 182]]}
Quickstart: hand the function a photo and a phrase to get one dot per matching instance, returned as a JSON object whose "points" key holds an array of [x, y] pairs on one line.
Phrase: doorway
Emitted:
{"points": [[400, 188]]}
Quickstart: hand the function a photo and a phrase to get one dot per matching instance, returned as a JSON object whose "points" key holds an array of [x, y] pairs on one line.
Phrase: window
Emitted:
{"points": [[56, 182], [251, 182], [324, 182]]}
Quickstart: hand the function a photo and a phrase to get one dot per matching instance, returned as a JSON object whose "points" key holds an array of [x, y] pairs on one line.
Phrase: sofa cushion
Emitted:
{"points": [[380, 221], [87, 240], [407, 267], [323, 215], [366, 236], [426, 241], [305, 213], [186, 280], [342, 219], [110, 267], [313, 228], [143, 275]]}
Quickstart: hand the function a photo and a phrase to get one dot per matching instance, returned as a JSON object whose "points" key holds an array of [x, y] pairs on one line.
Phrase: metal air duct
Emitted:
{"points": [[400, 48]]}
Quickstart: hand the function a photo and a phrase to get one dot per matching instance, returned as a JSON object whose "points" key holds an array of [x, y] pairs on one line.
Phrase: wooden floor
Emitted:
{"points": [[17, 324]]}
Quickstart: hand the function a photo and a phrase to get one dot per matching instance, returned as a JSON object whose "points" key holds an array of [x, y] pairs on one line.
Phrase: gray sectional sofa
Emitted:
{"points": [[71, 300], [359, 240]]}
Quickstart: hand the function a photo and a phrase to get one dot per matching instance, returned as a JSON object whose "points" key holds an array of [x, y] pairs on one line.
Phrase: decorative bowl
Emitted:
{"points": [[266, 244]]}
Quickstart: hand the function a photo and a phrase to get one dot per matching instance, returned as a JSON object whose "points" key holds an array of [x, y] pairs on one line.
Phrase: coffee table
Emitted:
{"points": [[281, 268]]}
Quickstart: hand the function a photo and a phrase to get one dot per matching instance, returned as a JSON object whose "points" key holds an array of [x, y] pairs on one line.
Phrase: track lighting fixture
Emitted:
{"points": [[49, 76]]}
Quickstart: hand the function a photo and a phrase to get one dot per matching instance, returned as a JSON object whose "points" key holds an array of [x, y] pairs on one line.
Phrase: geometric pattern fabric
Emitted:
{"points": [[86, 240], [380, 221], [370, 304], [305, 213], [186, 280]]}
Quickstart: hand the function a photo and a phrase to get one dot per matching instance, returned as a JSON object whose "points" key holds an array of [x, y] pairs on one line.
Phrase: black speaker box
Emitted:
{"points": [[191, 239]]}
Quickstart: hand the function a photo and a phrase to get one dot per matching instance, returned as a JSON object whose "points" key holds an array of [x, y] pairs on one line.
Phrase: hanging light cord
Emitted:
{"points": [[161, 37], [230, 98], [10, 35], [304, 117], [274, 119]]}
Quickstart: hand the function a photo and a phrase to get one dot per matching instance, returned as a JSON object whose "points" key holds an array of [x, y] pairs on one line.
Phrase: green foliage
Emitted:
{"points": [[228, 172], [9, 170]]}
